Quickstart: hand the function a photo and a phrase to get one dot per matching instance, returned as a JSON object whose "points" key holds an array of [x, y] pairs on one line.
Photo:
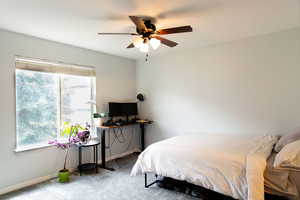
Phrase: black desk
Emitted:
{"points": [[103, 129]]}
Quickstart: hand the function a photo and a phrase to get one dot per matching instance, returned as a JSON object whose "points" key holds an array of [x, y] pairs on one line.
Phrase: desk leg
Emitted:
{"points": [[96, 158], [80, 162], [142, 126], [103, 146]]}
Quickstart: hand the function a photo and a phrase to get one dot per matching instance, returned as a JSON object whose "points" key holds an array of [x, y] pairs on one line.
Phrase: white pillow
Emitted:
{"points": [[289, 157], [286, 139]]}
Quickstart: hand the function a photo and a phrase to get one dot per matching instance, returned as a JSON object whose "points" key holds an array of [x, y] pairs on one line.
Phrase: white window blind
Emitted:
{"points": [[53, 67]]}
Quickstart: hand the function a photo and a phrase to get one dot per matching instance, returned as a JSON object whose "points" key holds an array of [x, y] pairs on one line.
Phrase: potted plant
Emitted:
{"points": [[101, 117], [71, 132], [84, 134]]}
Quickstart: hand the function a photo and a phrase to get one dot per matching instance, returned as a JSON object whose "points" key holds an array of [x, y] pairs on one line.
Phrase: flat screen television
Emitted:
{"points": [[115, 109], [122, 109], [130, 109]]}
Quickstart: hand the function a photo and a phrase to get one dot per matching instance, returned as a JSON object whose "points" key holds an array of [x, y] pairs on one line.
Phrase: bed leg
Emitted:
{"points": [[146, 181]]}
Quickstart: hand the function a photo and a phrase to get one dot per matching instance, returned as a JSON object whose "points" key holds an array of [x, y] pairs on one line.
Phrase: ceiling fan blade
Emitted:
{"points": [[165, 41], [130, 46], [180, 29], [139, 22], [118, 34]]}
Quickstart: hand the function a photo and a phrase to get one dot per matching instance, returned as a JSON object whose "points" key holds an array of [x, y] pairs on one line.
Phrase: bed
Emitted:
{"points": [[230, 165]]}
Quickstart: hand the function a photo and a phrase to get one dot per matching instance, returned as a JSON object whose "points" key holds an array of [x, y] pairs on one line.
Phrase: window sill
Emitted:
{"points": [[32, 147], [41, 146]]}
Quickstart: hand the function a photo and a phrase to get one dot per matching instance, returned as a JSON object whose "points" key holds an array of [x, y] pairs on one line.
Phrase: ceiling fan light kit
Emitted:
{"points": [[149, 36], [143, 44], [138, 42], [155, 43], [144, 47]]}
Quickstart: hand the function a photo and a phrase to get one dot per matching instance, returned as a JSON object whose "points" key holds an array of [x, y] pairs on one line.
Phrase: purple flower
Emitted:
{"points": [[61, 145], [83, 135], [74, 140], [74, 136]]}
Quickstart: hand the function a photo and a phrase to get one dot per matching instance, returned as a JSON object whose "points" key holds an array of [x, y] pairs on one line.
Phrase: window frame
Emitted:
{"points": [[92, 107], [59, 106]]}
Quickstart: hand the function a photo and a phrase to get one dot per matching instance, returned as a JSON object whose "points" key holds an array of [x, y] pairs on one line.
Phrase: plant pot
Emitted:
{"points": [[101, 120], [64, 176]]}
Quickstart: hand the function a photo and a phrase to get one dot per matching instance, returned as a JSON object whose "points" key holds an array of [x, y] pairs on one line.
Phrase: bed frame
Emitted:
{"points": [[146, 181], [203, 192], [212, 194]]}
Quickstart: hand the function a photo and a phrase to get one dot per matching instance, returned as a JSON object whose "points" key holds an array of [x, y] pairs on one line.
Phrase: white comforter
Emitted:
{"points": [[228, 165]]}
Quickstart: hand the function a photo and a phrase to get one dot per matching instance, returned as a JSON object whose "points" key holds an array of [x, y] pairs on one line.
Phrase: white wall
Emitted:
{"points": [[242, 87], [115, 81]]}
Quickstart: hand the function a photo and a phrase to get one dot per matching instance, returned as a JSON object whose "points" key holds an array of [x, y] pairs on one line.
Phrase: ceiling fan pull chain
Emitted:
{"points": [[147, 57]]}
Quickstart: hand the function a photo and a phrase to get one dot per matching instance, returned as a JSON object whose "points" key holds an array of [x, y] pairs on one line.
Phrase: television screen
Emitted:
{"points": [[115, 109], [130, 109], [122, 109]]}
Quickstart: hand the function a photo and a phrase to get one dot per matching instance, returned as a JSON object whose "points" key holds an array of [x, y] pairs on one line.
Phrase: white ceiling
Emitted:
{"points": [[77, 22]]}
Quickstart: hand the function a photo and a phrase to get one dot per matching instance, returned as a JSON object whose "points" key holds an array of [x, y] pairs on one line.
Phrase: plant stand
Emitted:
{"points": [[88, 166]]}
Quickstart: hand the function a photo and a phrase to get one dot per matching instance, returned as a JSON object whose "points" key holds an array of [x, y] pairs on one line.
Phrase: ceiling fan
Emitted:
{"points": [[146, 34]]}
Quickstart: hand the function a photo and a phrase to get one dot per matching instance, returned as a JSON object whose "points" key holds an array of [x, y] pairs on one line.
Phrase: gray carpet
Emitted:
{"points": [[105, 185]]}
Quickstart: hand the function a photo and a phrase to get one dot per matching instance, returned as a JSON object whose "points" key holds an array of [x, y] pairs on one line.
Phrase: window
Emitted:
{"points": [[76, 92], [37, 98], [44, 100]]}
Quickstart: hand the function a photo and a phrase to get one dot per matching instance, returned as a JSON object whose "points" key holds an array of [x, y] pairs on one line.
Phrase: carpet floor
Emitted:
{"points": [[105, 185]]}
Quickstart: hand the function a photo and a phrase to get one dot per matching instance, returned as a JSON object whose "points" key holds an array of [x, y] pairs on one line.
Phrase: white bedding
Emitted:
{"points": [[228, 165]]}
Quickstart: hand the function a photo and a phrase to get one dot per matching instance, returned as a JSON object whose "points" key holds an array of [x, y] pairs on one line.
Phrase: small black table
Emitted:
{"points": [[88, 166]]}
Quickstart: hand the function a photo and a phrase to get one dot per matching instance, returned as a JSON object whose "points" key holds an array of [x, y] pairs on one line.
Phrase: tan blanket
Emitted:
{"points": [[281, 182]]}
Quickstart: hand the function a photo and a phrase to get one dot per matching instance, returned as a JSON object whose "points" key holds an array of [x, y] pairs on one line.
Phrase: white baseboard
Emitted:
{"points": [[114, 157], [26, 184], [51, 176]]}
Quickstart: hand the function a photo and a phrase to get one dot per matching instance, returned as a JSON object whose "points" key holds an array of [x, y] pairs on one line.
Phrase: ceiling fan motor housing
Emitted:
{"points": [[149, 25], [151, 28]]}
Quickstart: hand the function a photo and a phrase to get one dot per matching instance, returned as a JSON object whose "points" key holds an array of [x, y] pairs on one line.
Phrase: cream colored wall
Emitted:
{"points": [[249, 86], [115, 81]]}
